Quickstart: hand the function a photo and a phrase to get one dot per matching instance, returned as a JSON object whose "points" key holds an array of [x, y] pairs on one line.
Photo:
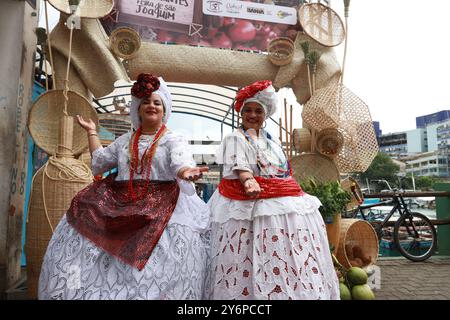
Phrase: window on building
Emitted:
{"points": [[432, 161]]}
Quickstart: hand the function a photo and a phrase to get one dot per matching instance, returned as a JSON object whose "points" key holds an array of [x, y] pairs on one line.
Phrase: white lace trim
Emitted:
{"points": [[224, 209]]}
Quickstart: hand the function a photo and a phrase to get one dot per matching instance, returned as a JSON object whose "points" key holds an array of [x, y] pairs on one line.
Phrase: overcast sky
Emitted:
{"points": [[398, 60]]}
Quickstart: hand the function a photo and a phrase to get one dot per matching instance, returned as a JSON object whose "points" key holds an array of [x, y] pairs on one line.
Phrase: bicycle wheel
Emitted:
{"points": [[415, 236]]}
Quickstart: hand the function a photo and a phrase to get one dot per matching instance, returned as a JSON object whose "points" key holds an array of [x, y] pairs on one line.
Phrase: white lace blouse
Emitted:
{"points": [[172, 154], [235, 153]]}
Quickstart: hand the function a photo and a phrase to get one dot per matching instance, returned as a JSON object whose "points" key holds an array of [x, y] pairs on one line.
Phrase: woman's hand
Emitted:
{"points": [[192, 174], [252, 188], [87, 125]]}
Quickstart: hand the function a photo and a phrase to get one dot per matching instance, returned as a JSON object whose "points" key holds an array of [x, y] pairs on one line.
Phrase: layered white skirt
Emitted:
{"points": [[75, 268], [269, 249]]}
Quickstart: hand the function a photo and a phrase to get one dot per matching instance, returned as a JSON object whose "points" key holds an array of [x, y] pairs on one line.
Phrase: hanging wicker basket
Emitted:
{"points": [[281, 51], [352, 186], [87, 8], [125, 42], [314, 166], [337, 107], [329, 142], [46, 113], [322, 24], [301, 140], [358, 244]]}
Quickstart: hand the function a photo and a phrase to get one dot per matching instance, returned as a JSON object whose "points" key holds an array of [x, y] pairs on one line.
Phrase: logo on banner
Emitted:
{"points": [[234, 7], [214, 6]]}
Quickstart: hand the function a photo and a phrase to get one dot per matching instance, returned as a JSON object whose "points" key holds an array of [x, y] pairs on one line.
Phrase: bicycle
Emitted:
{"points": [[414, 235]]}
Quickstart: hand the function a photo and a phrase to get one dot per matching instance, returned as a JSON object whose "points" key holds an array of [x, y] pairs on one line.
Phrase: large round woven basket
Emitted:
{"points": [[281, 51], [46, 113], [301, 140], [51, 196], [359, 234], [314, 166], [352, 186], [125, 42], [87, 8], [322, 23]]}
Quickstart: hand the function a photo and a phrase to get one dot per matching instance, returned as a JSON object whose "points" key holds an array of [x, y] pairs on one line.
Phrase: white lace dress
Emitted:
{"points": [[75, 268], [273, 248]]}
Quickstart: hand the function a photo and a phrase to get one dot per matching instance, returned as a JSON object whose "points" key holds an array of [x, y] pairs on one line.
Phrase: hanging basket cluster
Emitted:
{"points": [[337, 107]]}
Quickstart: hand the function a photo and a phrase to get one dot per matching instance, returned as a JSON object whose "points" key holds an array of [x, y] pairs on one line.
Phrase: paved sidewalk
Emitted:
{"points": [[402, 279]]}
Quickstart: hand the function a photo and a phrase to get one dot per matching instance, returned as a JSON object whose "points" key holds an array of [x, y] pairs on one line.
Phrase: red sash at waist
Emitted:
{"points": [[272, 188], [103, 213]]}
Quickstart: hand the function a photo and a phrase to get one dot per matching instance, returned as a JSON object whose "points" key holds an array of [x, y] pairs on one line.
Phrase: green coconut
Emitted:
{"points": [[362, 292], [357, 276], [344, 292]]}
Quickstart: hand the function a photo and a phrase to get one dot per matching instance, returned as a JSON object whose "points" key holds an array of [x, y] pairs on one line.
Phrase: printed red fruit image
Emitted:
{"points": [[221, 40], [242, 31], [165, 36]]}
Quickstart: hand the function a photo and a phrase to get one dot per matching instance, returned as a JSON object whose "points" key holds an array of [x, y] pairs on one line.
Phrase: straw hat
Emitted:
{"points": [[45, 115], [87, 8]]}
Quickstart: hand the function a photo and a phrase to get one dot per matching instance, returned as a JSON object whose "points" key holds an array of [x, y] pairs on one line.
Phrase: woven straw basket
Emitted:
{"points": [[125, 42], [87, 8], [337, 107], [46, 113], [281, 51], [360, 234], [314, 166], [329, 142], [301, 140], [322, 24], [352, 186], [53, 192]]}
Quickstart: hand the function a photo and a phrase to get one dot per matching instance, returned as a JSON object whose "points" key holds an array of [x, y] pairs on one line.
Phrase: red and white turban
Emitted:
{"points": [[261, 92]]}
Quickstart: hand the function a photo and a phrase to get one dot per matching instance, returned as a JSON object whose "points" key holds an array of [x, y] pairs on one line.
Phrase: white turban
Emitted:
{"points": [[166, 98]]}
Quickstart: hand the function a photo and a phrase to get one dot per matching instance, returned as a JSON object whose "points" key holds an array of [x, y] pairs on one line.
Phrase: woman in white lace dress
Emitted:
{"points": [[268, 238], [139, 234]]}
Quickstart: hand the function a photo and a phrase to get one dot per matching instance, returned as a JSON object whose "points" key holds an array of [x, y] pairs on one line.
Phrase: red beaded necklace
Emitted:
{"points": [[145, 163]]}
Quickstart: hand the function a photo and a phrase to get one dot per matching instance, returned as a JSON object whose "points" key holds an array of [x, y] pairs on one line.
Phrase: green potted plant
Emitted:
{"points": [[334, 201]]}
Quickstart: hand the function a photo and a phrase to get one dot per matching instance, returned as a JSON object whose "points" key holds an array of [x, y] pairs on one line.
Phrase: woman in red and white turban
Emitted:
{"points": [[268, 238]]}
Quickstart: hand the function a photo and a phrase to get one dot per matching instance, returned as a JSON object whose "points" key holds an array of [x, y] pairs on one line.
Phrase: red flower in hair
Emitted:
{"points": [[250, 91], [145, 85]]}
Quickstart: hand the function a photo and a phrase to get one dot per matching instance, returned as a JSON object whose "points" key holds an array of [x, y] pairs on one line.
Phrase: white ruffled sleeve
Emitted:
{"points": [[104, 159], [181, 156], [235, 154]]}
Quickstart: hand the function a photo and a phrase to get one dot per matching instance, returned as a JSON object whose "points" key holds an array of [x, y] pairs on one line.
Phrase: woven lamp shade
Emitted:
{"points": [[46, 113], [87, 8], [314, 166], [357, 233], [337, 107], [51, 196], [322, 24]]}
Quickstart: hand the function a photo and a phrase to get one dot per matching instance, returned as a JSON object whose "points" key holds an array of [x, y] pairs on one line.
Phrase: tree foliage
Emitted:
{"points": [[382, 168]]}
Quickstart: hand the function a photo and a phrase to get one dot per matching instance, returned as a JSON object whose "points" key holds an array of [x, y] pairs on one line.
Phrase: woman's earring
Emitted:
{"points": [[265, 124]]}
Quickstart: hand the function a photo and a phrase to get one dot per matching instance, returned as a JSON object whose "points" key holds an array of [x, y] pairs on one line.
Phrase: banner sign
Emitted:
{"points": [[250, 11], [229, 24]]}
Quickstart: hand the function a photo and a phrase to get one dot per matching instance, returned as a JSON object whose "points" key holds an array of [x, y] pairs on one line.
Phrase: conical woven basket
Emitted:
{"points": [[52, 193], [337, 107], [314, 166], [46, 113], [87, 8], [355, 232], [301, 140]]}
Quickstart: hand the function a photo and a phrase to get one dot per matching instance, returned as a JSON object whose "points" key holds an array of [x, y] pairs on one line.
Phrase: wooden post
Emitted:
{"points": [[281, 133], [286, 128]]}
